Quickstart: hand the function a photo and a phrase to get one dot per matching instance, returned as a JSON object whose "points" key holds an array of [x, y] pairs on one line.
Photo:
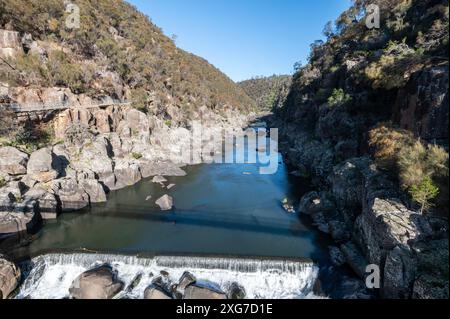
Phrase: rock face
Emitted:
{"points": [[165, 202], [13, 161], [200, 292], [9, 277], [98, 283], [422, 105], [9, 44]]}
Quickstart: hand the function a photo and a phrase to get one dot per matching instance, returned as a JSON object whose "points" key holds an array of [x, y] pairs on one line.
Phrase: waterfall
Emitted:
{"points": [[50, 276]]}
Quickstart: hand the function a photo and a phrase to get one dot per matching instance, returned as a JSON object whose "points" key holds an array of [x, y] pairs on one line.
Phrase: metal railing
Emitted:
{"points": [[38, 107]]}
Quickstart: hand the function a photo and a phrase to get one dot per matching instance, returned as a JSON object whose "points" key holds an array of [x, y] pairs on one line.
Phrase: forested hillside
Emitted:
{"points": [[117, 51], [268, 92]]}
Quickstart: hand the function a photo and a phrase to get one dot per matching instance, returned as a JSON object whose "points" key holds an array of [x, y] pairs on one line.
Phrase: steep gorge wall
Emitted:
{"points": [[356, 80]]}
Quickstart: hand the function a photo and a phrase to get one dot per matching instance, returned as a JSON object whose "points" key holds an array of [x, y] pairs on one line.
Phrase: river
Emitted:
{"points": [[225, 210]]}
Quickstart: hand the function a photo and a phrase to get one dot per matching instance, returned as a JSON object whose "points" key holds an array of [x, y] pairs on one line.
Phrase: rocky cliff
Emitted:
{"points": [[368, 178]]}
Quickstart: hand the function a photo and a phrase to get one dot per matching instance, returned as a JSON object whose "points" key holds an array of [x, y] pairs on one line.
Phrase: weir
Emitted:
{"points": [[50, 276]]}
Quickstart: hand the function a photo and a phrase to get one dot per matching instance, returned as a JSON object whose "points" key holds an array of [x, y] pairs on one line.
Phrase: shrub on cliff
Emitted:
{"points": [[339, 97], [423, 168], [386, 142], [424, 193]]}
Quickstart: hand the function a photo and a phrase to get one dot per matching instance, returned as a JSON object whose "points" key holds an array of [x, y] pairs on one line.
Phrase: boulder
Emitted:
{"points": [[165, 202], [315, 202], [336, 255], [96, 157], [387, 224], [159, 180], [18, 220], [399, 273], [44, 165], [236, 292], [71, 195], [126, 173], [97, 283], [186, 279], [197, 292], [157, 293], [13, 161], [94, 189], [9, 277], [48, 206], [354, 259]]}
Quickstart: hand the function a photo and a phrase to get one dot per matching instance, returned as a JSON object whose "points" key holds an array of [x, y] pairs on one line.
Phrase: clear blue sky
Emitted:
{"points": [[245, 38]]}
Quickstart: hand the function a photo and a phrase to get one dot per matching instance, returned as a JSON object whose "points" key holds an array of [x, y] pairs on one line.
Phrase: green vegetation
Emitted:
{"points": [[268, 92], [136, 155], [115, 46], [2, 182], [418, 161], [338, 98], [422, 169], [424, 193]]}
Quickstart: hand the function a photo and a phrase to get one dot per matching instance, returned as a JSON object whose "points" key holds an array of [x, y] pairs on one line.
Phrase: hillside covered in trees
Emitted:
{"points": [[268, 92], [116, 51]]}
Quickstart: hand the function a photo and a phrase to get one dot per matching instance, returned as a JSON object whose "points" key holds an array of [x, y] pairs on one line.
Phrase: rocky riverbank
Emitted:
{"points": [[101, 150], [369, 219]]}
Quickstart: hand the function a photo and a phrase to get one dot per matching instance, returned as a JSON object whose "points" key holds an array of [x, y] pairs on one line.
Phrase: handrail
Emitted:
{"points": [[36, 107]]}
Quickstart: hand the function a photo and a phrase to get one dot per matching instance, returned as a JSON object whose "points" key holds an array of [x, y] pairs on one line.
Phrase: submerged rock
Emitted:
{"points": [[165, 202], [97, 283]]}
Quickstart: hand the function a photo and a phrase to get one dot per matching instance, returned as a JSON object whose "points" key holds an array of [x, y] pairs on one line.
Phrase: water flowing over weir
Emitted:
{"points": [[50, 276]]}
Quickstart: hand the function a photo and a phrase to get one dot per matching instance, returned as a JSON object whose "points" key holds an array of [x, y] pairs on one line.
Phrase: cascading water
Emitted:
{"points": [[50, 276]]}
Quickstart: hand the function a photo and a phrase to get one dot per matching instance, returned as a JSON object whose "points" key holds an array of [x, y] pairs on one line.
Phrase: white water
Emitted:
{"points": [[52, 275]]}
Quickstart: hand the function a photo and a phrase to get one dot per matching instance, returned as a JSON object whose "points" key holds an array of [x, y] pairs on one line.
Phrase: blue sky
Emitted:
{"points": [[245, 38]]}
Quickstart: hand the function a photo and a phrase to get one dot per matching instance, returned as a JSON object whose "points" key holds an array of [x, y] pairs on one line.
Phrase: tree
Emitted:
{"points": [[424, 193], [328, 30], [297, 66]]}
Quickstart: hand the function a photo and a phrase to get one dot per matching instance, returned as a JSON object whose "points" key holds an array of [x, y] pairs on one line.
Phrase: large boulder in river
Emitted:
{"points": [[198, 292], [165, 202], [44, 165], [13, 161], [9, 277], [97, 283]]}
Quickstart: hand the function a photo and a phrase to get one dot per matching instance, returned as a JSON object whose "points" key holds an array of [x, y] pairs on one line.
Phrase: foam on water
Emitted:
{"points": [[50, 276]]}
